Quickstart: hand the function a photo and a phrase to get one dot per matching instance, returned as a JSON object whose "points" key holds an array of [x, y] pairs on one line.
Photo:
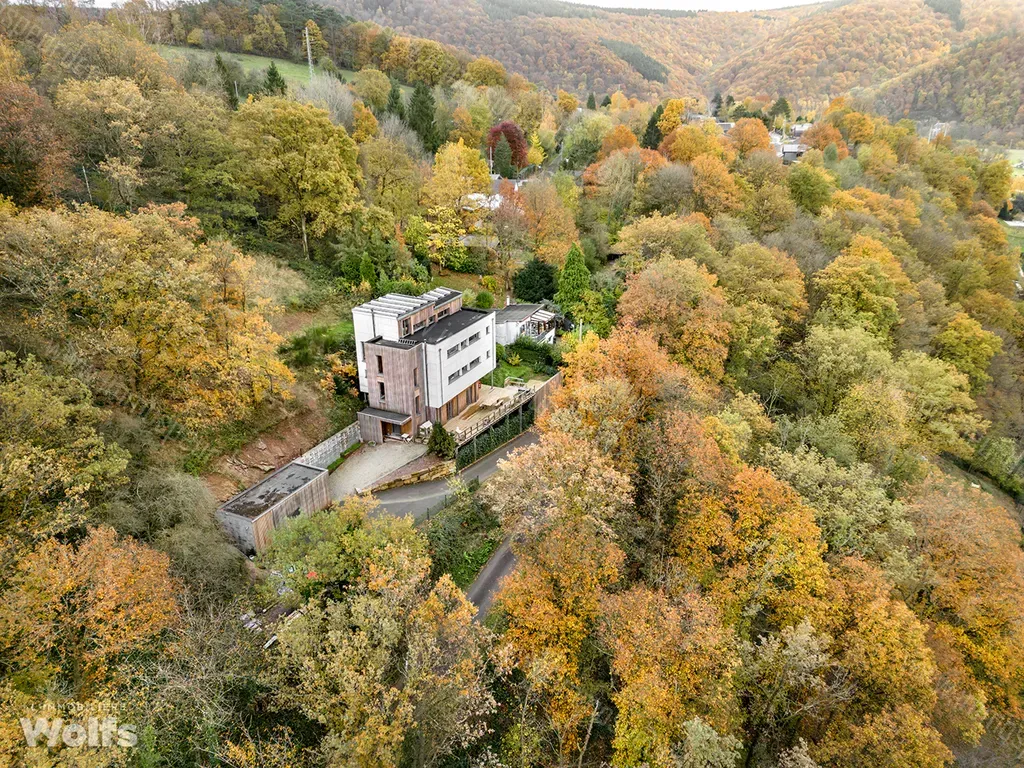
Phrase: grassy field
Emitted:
{"points": [[1015, 236], [294, 73], [1016, 156]]}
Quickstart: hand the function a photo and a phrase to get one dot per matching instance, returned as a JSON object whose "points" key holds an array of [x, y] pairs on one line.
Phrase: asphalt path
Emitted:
{"points": [[417, 499]]}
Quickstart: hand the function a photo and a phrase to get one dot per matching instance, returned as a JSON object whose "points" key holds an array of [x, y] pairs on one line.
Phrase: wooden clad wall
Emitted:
{"points": [[401, 369]]}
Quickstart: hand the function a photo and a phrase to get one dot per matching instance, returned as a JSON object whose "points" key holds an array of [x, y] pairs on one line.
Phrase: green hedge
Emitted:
{"points": [[495, 437]]}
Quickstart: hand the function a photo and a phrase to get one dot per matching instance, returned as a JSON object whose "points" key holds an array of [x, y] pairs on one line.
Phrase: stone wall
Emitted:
{"points": [[330, 450]]}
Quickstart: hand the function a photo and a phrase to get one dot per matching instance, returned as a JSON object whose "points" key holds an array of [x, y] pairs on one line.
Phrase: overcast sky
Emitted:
{"points": [[698, 5]]}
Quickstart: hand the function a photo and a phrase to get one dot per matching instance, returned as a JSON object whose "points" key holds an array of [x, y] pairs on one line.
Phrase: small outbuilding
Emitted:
{"points": [[530, 320], [250, 516]]}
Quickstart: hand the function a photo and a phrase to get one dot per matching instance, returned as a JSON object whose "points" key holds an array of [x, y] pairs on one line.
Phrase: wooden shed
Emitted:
{"points": [[250, 516]]}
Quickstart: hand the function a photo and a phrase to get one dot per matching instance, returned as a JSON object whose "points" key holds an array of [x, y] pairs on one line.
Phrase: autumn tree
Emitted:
{"points": [[620, 137], [34, 160], [187, 332], [317, 44], [58, 466], [714, 189], [550, 224], [749, 135], [673, 661], [486, 71], [396, 671], [459, 171], [810, 187], [758, 550], [563, 500], [681, 304], [71, 613], [968, 346], [302, 161]]}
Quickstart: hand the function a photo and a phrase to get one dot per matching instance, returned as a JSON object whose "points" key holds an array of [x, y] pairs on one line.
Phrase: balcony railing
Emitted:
{"points": [[523, 396]]}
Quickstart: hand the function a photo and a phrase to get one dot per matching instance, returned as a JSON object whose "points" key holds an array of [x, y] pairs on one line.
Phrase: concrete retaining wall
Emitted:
{"points": [[330, 450]]}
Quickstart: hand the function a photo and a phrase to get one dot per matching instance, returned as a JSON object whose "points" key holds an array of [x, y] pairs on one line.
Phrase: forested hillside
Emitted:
{"points": [[980, 83], [809, 54], [771, 518]]}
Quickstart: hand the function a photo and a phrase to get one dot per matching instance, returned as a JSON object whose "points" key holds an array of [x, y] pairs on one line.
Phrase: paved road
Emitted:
{"points": [[481, 592], [416, 499]]}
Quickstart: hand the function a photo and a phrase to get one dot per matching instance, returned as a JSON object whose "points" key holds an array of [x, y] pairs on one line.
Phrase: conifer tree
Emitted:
{"points": [[591, 102], [441, 442], [573, 280], [396, 104], [652, 136], [607, 101], [227, 81], [503, 158], [421, 116], [274, 84]]}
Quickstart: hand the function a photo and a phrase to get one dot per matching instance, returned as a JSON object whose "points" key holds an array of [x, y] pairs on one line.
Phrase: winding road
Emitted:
{"points": [[417, 499]]}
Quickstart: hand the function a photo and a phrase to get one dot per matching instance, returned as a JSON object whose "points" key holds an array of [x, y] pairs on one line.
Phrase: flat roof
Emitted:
{"points": [[254, 501], [392, 417], [516, 312], [398, 304], [447, 326]]}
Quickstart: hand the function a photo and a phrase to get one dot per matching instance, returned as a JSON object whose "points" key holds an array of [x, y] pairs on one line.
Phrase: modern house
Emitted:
{"points": [[251, 516], [529, 320], [420, 360]]}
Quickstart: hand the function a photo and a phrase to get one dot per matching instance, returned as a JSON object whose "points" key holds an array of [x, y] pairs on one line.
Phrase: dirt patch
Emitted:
{"points": [[286, 441], [291, 323]]}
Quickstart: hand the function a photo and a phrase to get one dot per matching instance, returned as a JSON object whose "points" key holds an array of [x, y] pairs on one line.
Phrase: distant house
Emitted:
{"points": [[790, 153], [251, 516], [532, 321], [420, 359], [799, 129]]}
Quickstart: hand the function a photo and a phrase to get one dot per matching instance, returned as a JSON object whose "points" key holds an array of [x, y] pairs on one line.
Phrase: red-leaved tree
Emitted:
{"points": [[516, 140]]}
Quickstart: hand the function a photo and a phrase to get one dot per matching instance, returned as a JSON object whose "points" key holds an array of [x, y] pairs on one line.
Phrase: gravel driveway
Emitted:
{"points": [[369, 464]]}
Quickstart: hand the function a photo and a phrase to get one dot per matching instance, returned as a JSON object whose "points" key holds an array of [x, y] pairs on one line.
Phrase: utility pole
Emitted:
{"points": [[309, 52]]}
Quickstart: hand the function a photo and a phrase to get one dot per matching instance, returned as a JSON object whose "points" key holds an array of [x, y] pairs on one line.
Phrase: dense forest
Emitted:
{"points": [[809, 54], [771, 520], [980, 83]]}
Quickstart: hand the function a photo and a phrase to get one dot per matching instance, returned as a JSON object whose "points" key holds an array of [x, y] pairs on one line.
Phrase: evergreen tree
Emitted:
{"points": [[274, 85], [652, 136], [607, 101], [503, 158], [421, 116], [716, 103], [573, 281], [535, 281], [367, 273], [781, 108], [441, 443], [591, 102], [227, 81], [396, 104]]}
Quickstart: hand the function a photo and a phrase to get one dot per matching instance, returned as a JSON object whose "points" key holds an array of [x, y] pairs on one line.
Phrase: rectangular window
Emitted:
{"points": [[453, 350], [381, 383], [418, 409], [487, 329], [453, 377], [380, 364], [488, 354], [415, 377], [475, 363], [474, 338]]}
